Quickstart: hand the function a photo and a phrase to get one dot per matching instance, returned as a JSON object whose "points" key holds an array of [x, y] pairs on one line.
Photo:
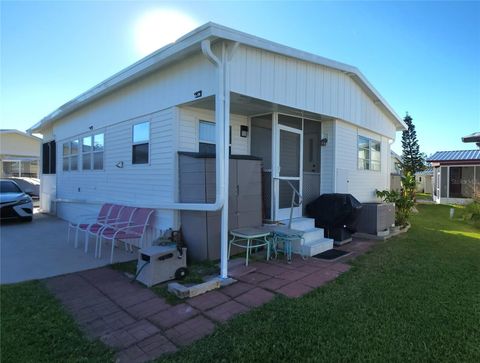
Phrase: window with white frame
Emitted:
{"points": [[141, 143], [369, 154], [93, 147], [70, 155], [206, 137]]}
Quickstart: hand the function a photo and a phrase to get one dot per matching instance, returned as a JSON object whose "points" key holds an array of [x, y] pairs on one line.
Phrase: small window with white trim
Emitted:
{"points": [[70, 155], [141, 143], [93, 147], [369, 154], [206, 137]]}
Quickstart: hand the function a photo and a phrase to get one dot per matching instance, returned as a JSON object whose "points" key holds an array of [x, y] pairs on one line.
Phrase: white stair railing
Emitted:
{"points": [[294, 204]]}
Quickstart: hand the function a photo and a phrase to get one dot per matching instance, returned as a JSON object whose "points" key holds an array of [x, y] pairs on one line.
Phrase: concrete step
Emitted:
{"points": [[312, 247], [313, 234], [301, 224]]}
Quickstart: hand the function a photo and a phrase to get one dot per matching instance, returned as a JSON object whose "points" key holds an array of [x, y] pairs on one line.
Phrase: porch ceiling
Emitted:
{"points": [[249, 106]]}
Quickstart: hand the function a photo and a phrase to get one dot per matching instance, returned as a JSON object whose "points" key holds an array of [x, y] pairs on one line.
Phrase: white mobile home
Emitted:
{"points": [[318, 126]]}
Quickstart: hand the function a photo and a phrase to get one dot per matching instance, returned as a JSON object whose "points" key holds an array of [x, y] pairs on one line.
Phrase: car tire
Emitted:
{"points": [[27, 219]]}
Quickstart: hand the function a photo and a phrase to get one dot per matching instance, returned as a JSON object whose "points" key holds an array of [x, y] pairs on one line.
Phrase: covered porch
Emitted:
{"points": [[292, 144], [295, 152]]}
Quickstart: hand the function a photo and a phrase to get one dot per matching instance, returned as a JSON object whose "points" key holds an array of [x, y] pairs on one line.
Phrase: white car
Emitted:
{"points": [[14, 203]]}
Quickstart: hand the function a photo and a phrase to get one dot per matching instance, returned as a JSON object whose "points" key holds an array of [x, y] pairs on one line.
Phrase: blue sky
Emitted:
{"points": [[423, 57]]}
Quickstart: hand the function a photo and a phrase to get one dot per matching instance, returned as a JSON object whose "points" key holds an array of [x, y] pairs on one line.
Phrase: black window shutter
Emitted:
{"points": [[53, 157], [46, 158], [49, 157]]}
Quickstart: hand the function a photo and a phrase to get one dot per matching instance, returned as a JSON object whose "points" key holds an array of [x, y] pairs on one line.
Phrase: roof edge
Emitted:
{"points": [[211, 30], [18, 132]]}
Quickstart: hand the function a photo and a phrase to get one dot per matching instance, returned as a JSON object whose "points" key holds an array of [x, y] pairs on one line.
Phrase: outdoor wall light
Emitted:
{"points": [[323, 142], [244, 131], [119, 164]]}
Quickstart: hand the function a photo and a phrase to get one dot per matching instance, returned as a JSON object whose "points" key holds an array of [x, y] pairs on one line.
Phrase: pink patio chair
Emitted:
{"points": [[123, 220], [94, 228], [135, 230], [87, 220]]}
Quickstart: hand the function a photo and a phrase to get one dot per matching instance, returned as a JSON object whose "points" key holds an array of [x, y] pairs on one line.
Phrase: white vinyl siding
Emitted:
{"points": [[327, 155], [305, 86], [362, 184], [189, 132], [128, 184], [167, 87]]}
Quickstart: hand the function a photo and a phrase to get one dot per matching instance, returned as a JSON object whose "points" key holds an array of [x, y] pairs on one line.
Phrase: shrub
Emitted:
{"points": [[472, 212]]}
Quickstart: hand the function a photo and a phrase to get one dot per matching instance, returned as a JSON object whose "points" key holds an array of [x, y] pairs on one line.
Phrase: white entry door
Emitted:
{"points": [[288, 170]]}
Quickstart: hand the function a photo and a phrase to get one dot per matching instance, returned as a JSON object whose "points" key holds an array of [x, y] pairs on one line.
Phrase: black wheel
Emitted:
{"points": [[27, 219], [181, 273]]}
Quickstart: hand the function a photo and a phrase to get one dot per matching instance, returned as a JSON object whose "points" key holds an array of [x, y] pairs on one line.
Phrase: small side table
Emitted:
{"points": [[287, 239], [249, 238]]}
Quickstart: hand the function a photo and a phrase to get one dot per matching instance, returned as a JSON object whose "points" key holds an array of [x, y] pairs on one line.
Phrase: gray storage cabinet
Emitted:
{"points": [[201, 230]]}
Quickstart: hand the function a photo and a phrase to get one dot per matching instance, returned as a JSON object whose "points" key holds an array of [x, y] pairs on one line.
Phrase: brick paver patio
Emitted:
{"points": [[142, 326]]}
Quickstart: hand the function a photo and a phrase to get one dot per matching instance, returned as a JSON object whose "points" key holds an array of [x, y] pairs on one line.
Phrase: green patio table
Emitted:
{"points": [[250, 238]]}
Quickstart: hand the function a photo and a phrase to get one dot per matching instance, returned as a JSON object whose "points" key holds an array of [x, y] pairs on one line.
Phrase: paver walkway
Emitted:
{"points": [[142, 326]]}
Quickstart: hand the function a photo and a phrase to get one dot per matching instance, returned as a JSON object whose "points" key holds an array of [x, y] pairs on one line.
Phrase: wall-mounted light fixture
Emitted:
{"points": [[244, 131], [119, 164], [197, 94], [90, 127], [323, 142]]}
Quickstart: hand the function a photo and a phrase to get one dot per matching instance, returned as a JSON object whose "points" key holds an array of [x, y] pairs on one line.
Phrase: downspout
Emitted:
{"points": [[227, 55]]}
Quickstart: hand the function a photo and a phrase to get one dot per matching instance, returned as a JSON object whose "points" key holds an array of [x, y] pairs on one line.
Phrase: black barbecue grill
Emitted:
{"points": [[337, 214]]}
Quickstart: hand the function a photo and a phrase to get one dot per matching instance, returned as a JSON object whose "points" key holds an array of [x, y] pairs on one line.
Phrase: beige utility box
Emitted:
{"points": [[158, 264]]}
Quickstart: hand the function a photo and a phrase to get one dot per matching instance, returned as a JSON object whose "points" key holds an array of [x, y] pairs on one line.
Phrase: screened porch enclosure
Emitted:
{"points": [[456, 182], [290, 149]]}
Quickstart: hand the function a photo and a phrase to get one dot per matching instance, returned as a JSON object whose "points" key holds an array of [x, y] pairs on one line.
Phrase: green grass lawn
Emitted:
{"points": [[413, 298], [423, 196], [35, 328]]}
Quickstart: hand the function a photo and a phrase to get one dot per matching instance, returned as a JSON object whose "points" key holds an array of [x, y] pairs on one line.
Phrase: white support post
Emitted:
{"points": [[227, 55], [226, 158]]}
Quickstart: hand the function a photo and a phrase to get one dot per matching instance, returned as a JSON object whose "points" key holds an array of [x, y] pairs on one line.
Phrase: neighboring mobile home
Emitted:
{"points": [[395, 171], [19, 154], [456, 176], [316, 125], [424, 181]]}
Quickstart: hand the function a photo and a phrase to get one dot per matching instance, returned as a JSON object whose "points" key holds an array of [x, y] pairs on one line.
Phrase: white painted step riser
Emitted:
{"points": [[313, 248], [314, 235], [301, 224], [319, 249]]}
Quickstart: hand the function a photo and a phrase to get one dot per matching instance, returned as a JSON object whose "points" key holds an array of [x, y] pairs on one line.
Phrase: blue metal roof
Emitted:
{"points": [[427, 171], [459, 155]]}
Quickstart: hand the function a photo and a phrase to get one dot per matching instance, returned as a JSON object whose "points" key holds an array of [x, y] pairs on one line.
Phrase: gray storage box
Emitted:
{"points": [[375, 218], [201, 230]]}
